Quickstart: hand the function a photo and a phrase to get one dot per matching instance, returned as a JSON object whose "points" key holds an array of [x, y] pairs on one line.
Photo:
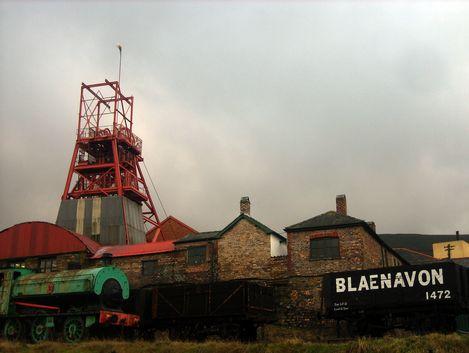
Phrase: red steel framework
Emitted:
{"points": [[107, 154]]}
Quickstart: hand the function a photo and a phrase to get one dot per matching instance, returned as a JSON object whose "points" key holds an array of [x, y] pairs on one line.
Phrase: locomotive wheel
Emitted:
{"points": [[74, 329], [13, 330], [39, 331]]}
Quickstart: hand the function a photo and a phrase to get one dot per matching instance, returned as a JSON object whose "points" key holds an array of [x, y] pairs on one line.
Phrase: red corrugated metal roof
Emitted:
{"points": [[41, 239], [170, 229], [135, 249]]}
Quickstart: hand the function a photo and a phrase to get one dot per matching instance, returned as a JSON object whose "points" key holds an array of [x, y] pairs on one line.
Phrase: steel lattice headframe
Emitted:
{"points": [[107, 154]]}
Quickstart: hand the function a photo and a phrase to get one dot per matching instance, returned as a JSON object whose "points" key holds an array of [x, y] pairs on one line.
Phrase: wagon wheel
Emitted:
{"points": [[39, 330], [74, 329], [13, 330]]}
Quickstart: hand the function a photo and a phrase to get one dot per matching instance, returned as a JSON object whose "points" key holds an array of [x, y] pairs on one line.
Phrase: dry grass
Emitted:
{"points": [[433, 343]]}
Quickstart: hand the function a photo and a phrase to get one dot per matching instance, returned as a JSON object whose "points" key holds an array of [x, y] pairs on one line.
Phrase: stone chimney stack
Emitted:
{"points": [[341, 204], [245, 205], [372, 225]]}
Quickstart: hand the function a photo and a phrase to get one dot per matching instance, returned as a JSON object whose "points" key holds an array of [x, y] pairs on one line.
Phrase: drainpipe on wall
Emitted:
{"points": [[213, 270]]}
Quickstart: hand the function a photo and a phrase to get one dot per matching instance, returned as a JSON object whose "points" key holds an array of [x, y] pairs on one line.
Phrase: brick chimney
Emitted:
{"points": [[245, 205], [372, 225], [341, 204]]}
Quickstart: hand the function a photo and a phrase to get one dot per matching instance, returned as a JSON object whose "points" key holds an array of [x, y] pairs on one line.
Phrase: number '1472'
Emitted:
{"points": [[438, 294]]}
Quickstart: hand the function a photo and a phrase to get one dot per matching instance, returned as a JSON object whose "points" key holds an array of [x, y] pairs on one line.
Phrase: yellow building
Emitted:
{"points": [[456, 249]]}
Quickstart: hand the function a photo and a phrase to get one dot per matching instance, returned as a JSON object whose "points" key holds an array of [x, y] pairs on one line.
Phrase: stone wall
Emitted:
{"points": [[277, 267], [299, 297], [244, 252], [373, 252], [298, 300], [392, 260], [63, 261], [376, 255], [204, 272], [350, 248], [169, 267]]}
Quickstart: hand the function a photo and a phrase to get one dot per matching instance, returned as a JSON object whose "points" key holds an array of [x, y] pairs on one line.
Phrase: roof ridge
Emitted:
{"points": [[257, 223], [177, 221], [208, 231], [321, 221], [192, 237], [199, 236]]}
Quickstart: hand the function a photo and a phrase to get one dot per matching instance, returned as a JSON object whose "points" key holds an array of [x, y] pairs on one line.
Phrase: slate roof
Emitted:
{"points": [[193, 237], [258, 224], [419, 242], [326, 220], [332, 220]]}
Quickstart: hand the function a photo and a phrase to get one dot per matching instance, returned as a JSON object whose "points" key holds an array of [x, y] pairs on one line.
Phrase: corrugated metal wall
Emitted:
{"points": [[102, 219], [67, 216], [136, 229]]}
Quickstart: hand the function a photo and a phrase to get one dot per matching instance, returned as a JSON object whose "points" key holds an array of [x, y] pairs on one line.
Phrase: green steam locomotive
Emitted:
{"points": [[67, 304]]}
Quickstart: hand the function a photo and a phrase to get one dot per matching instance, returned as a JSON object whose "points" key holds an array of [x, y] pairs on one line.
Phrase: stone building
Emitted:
{"points": [[247, 249], [330, 242], [148, 263], [244, 249]]}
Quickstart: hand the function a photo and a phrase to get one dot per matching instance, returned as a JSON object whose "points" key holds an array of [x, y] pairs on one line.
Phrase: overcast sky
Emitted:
{"points": [[287, 103]]}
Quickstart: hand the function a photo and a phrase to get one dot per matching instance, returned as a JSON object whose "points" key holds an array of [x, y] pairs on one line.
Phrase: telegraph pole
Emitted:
{"points": [[448, 249]]}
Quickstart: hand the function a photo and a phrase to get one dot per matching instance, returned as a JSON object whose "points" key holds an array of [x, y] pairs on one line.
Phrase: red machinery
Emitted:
{"points": [[107, 154]]}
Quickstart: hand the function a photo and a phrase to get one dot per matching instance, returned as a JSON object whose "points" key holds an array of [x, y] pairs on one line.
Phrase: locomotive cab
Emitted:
{"points": [[7, 278]]}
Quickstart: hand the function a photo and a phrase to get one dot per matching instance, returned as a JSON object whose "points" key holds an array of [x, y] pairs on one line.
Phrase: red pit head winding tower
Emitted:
{"points": [[105, 196]]}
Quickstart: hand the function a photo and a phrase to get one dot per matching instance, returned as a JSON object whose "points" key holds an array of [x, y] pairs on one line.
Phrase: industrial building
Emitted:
{"points": [[107, 216]]}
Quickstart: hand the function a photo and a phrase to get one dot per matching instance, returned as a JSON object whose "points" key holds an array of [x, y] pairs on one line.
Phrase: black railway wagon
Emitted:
{"points": [[418, 297], [230, 309]]}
